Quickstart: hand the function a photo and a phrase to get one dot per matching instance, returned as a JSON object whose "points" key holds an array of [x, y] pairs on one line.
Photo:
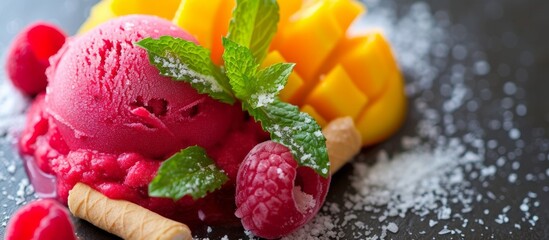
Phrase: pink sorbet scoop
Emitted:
{"points": [[104, 95]]}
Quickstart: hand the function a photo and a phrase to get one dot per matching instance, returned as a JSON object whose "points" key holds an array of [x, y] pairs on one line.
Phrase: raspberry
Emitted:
{"points": [[274, 196], [40, 220], [28, 56]]}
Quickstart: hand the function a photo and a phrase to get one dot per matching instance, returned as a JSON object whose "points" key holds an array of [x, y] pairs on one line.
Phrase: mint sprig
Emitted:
{"points": [[186, 61], [258, 90], [253, 25], [257, 87], [191, 172]]}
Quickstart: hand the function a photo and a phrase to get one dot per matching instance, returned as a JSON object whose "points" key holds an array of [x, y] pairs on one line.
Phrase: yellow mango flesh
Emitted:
{"points": [[346, 11], [294, 80], [287, 8], [302, 40], [198, 18], [108, 9], [310, 44], [207, 21], [221, 28], [382, 118], [164, 9], [99, 13], [336, 95], [368, 60]]}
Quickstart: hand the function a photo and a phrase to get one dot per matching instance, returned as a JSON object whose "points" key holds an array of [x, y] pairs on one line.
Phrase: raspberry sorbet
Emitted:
{"points": [[108, 119]]}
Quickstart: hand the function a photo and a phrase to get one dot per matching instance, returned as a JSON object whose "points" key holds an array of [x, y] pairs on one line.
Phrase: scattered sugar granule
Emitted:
{"points": [[392, 227]]}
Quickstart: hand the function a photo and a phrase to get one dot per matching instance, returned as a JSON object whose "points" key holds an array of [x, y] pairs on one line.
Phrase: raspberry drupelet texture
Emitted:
{"points": [[28, 56], [274, 196], [40, 220]]}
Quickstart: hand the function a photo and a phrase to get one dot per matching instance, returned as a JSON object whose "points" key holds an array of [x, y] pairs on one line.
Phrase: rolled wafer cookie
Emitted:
{"points": [[343, 142], [122, 218]]}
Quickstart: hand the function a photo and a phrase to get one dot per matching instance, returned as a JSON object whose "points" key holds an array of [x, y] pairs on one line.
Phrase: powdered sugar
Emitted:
{"points": [[13, 106], [305, 202]]}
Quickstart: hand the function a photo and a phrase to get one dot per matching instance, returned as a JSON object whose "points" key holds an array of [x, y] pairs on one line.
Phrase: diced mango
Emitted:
{"points": [[367, 59], [108, 9], [99, 13], [383, 117], [337, 96], [311, 111], [308, 44], [302, 40], [287, 8], [294, 80], [220, 29], [164, 9], [346, 11], [198, 18], [207, 21]]}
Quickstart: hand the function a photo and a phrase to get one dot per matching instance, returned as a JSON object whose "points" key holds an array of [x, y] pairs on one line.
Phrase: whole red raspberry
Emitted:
{"points": [[274, 196], [28, 56], [43, 219]]}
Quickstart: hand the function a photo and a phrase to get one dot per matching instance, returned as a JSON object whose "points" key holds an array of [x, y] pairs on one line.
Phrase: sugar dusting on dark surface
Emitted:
{"points": [[455, 173], [471, 161]]}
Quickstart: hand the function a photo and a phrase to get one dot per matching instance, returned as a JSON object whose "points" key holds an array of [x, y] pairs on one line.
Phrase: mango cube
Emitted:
{"points": [[287, 8], [368, 60], [382, 118], [346, 11], [207, 21], [198, 18], [164, 9], [99, 13], [294, 80], [337, 96], [309, 39], [108, 9], [220, 29]]}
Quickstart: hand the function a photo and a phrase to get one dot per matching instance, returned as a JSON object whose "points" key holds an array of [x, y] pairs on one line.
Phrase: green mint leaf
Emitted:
{"points": [[287, 125], [253, 25], [241, 68], [296, 130], [190, 171], [271, 81], [186, 61], [257, 87]]}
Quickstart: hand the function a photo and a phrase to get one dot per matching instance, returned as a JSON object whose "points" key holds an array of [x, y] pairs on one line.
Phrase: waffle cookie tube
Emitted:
{"points": [[343, 142], [122, 218]]}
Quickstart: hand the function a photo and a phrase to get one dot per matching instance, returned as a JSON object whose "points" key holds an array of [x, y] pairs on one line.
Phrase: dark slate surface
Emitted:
{"points": [[514, 39]]}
